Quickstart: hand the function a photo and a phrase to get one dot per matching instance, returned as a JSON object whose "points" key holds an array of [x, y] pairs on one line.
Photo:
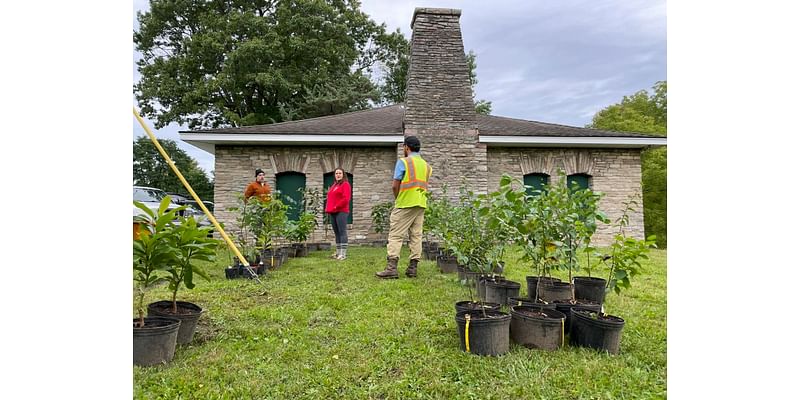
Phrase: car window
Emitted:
{"points": [[141, 194]]}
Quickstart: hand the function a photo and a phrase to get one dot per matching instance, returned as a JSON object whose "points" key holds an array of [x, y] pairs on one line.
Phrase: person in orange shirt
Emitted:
{"points": [[258, 188]]}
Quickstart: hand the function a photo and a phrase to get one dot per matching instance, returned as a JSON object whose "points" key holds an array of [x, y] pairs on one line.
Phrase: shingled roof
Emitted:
{"points": [[389, 121]]}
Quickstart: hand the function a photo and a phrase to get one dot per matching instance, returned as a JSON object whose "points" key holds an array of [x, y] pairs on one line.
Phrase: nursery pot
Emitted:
{"points": [[566, 306], [312, 246], [323, 246], [589, 288], [471, 277], [525, 301], [301, 250], [291, 252], [480, 284], [486, 336], [553, 291], [188, 314], [245, 273], [468, 305], [155, 343], [500, 291], [447, 264], [533, 280], [232, 272], [602, 333], [537, 327], [462, 272]]}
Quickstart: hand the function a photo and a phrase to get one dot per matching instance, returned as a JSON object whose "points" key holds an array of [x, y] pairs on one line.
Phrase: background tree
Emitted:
{"points": [[150, 169], [645, 113], [211, 63]]}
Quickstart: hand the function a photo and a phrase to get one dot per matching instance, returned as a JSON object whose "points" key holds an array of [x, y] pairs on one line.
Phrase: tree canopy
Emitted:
{"points": [[151, 169], [645, 113], [212, 63]]}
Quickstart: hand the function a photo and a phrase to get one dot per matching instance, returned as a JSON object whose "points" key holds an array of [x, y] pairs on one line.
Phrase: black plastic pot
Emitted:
{"points": [[533, 280], [589, 288], [480, 284], [232, 272], [486, 336], [468, 305], [447, 264], [312, 247], [155, 343], [500, 291], [188, 314], [324, 246], [554, 291], [603, 332], [245, 273], [301, 250], [566, 306], [544, 332], [524, 301], [462, 272]]}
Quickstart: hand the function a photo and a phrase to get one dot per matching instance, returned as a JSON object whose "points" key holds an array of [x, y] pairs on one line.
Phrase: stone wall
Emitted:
{"points": [[615, 172], [371, 168]]}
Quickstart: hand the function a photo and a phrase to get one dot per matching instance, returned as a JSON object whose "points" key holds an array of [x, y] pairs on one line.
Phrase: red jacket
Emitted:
{"points": [[338, 198]]}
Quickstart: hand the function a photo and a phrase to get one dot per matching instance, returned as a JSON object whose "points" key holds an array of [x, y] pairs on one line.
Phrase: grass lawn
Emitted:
{"points": [[330, 329]]}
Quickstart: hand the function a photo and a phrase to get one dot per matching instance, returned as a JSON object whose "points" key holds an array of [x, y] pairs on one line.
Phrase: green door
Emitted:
{"points": [[327, 181], [536, 182], [290, 184]]}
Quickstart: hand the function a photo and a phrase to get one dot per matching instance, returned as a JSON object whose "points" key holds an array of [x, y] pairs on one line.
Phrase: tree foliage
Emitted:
{"points": [[151, 169], [211, 63], [645, 113]]}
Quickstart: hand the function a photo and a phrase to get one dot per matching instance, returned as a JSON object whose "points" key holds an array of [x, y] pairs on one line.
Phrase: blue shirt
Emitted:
{"points": [[400, 168]]}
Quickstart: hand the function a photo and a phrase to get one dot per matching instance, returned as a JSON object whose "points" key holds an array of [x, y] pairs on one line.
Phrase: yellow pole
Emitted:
{"points": [[189, 188]]}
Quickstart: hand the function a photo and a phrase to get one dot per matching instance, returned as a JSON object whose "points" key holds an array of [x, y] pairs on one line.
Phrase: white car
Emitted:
{"points": [[151, 197]]}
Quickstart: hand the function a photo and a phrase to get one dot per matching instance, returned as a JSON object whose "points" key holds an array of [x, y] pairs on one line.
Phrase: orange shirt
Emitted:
{"points": [[262, 190]]}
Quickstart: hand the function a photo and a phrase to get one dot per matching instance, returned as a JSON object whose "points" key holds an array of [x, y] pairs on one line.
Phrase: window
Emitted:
{"points": [[536, 182], [582, 180], [289, 183], [327, 181]]}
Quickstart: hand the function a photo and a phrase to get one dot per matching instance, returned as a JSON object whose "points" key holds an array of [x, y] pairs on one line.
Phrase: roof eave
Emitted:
{"points": [[208, 141], [584, 141]]}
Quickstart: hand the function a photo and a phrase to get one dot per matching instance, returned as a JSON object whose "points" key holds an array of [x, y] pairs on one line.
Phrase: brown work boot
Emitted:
{"points": [[411, 272], [391, 269]]}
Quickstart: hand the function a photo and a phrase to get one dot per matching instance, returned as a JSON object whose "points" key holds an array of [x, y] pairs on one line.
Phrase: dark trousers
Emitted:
{"points": [[339, 225]]}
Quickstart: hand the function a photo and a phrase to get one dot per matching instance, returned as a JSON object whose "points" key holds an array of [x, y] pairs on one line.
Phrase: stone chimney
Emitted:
{"points": [[439, 108]]}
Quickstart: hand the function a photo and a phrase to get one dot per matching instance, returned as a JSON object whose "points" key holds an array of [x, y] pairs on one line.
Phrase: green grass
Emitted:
{"points": [[330, 329]]}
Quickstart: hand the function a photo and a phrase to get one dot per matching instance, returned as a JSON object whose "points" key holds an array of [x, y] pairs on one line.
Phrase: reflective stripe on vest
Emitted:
{"points": [[414, 183], [410, 180]]}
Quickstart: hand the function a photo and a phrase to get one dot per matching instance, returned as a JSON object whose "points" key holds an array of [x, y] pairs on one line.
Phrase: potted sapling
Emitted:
{"points": [[192, 246], [597, 329], [154, 338]]}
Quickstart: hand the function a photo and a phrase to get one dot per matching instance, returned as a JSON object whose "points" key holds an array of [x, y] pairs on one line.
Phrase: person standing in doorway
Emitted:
{"points": [[259, 188], [411, 175], [338, 207]]}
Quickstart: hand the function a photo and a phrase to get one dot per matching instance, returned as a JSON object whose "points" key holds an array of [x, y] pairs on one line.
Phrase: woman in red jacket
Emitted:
{"points": [[338, 206]]}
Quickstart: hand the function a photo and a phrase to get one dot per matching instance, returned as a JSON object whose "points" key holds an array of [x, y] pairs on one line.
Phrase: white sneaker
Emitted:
{"points": [[341, 257], [334, 256]]}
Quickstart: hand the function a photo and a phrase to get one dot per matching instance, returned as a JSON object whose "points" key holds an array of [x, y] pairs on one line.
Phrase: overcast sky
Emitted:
{"points": [[550, 61]]}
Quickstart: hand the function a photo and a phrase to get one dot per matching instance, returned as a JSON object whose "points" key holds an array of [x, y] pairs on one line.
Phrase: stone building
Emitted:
{"points": [[457, 142]]}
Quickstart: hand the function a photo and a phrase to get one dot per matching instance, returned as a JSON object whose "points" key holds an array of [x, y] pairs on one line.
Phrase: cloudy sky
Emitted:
{"points": [[551, 61]]}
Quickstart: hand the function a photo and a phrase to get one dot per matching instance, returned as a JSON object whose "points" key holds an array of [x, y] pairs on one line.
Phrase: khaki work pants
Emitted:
{"points": [[404, 221]]}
